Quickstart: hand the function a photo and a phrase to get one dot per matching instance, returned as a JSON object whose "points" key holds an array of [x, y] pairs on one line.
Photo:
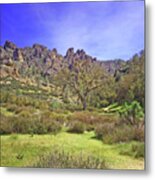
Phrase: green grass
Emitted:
{"points": [[24, 150]]}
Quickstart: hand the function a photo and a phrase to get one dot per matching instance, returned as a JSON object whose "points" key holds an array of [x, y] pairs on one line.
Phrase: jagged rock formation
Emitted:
{"points": [[41, 60]]}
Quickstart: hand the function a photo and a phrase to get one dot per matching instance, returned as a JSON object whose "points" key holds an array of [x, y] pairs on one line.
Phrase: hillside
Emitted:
{"points": [[96, 107]]}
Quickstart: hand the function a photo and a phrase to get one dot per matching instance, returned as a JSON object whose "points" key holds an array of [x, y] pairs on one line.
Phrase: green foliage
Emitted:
{"points": [[76, 127], [111, 133], [59, 117], [103, 130], [12, 107], [92, 117], [6, 125], [136, 150], [130, 85], [83, 79], [122, 133], [56, 104], [44, 126], [139, 133], [139, 150], [4, 97], [26, 123], [132, 113]]}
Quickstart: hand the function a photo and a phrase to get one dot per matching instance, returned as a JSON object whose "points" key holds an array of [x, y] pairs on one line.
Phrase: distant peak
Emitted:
{"points": [[80, 51], [39, 46], [70, 52], [10, 45], [54, 50]]}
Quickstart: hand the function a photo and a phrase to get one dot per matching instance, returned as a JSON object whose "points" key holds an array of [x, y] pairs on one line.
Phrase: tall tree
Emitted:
{"points": [[82, 78], [130, 87]]}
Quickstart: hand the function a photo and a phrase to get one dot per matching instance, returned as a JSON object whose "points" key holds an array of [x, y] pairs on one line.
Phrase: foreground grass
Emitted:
{"points": [[25, 150]]}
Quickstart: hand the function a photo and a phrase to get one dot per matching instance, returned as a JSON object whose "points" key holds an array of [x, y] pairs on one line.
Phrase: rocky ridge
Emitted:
{"points": [[45, 61]]}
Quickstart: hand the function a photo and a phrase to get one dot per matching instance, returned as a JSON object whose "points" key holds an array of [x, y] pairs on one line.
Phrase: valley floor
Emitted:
{"points": [[24, 150]]}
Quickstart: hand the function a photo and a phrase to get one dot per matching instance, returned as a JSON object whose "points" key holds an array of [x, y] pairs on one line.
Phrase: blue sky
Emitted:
{"points": [[106, 30]]}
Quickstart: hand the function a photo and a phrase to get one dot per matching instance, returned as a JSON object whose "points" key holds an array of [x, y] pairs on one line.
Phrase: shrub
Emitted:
{"points": [[113, 133], [44, 126], [5, 125], [139, 150], [73, 107], [139, 133], [104, 129], [11, 107], [92, 118], [12, 98], [104, 103], [54, 116], [20, 125], [122, 133], [25, 113], [60, 159], [32, 124], [56, 105], [136, 150], [76, 127], [42, 105], [4, 97], [24, 110]]}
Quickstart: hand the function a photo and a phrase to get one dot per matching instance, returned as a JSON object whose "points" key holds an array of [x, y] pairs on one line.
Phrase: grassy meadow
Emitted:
{"points": [[26, 150]]}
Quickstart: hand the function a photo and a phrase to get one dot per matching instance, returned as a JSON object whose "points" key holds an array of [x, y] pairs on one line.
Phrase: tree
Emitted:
{"points": [[82, 78], [130, 86], [105, 95]]}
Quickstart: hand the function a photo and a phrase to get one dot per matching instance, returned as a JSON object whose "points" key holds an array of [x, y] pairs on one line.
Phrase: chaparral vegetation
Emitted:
{"points": [[70, 111]]}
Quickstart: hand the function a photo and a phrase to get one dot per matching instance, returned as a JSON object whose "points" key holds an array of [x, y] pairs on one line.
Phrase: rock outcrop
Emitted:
{"points": [[40, 59]]}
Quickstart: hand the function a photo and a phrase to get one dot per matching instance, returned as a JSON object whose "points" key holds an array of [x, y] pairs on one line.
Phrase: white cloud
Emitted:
{"points": [[104, 31]]}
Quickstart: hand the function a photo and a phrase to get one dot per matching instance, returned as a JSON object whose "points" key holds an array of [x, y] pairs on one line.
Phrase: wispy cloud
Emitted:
{"points": [[106, 30]]}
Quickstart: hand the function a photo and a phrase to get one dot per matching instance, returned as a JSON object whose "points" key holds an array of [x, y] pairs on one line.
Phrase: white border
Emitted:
{"points": [[40, 174]]}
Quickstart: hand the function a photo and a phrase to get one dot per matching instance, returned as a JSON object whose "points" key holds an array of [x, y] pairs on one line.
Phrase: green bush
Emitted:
{"points": [[103, 130], [21, 125], [44, 126], [113, 133], [122, 133], [56, 105], [24, 110], [92, 118], [14, 124], [5, 125], [25, 114], [104, 103], [29, 124], [139, 133], [136, 150], [76, 127], [73, 107], [61, 118], [139, 150], [4, 97], [11, 107]]}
